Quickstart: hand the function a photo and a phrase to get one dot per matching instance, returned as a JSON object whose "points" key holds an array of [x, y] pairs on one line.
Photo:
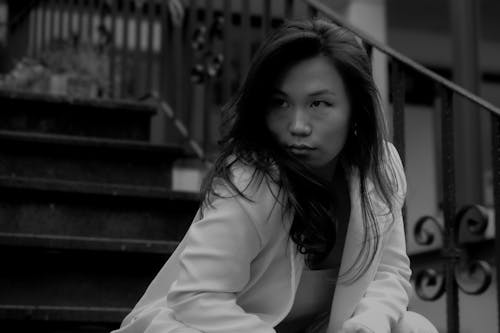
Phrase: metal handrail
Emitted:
{"points": [[338, 19]]}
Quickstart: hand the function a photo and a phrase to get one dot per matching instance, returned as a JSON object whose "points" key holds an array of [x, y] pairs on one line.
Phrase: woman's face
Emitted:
{"points": [[309, 113]]}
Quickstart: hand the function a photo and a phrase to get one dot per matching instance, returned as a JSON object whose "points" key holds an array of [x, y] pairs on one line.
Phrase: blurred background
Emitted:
{"points": [[110, 112]]}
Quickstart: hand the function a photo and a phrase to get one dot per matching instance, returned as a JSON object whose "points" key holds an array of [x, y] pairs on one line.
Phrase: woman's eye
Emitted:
{"points": [[320, 103], [279, 103]]}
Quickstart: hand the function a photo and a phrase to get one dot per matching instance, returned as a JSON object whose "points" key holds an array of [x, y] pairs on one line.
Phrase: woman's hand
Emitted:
{"points": [[353, 327]]}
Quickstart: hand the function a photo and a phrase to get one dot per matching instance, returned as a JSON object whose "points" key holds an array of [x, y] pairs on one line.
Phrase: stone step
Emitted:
{"points": [[67, 314], [42, 113], [85, 209], [91, 244], [65, 157], [85, 279]]}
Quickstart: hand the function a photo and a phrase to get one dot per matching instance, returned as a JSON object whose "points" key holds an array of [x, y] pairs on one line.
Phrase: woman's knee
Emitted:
{"points": [[413, 322]]}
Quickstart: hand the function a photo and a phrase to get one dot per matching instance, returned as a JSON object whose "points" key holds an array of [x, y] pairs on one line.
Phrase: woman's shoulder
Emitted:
{"points": [[247, 179], [392, 173], [256, 191], [395, 169]]}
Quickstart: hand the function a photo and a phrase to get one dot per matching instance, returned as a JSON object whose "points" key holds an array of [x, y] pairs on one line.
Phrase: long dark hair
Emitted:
{"points": [[247, 139]]}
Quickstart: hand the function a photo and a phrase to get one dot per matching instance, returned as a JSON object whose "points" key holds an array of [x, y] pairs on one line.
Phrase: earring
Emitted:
{"points": [[355, 129]]}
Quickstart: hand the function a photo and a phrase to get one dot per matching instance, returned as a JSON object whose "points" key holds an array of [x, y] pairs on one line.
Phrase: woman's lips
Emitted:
{"points": [[300, 149]]}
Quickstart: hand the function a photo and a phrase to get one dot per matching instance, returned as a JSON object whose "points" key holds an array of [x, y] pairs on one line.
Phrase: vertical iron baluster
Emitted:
{"points": [[150, 53], [43, 19], [398, 89], [35, 30], [100, 22], [197, 122], [59, 7], [165, 52], [209, 100], [81, 13], [103, 11], [112, 50], [288, 9], [137, 52], [245, 37], [70, 8], [187, 56], [57, 19], [124, 75], [178, 69], [90, 22], [495, 157], [52, 22], [450, 232], [48, 24], [228, 38]]}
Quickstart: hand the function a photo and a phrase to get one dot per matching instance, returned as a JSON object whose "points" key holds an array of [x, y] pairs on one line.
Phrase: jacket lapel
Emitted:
{"points": [[347, 294]]}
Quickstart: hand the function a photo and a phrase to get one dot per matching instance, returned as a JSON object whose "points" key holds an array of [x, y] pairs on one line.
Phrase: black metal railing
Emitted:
{"points": [[456, 259]]}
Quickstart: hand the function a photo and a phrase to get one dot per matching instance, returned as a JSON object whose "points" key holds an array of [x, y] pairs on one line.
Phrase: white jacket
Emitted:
{"points": [[236, 270]]}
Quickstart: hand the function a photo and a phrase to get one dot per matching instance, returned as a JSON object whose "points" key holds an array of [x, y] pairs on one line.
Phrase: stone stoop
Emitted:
{"points": [[88, 211]]}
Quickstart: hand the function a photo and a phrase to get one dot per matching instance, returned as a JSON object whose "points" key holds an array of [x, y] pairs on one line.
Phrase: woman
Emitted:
{"points": [[300, 229]]}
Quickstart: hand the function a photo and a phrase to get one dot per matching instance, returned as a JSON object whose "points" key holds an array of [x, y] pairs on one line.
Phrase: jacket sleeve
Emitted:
{"points": [[215, 266], [388, 294]]}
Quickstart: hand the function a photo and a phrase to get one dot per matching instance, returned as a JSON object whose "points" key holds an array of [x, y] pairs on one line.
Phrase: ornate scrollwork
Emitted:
{"points": [[424, 236], [429, 284], [472, 276], [474, 219]]}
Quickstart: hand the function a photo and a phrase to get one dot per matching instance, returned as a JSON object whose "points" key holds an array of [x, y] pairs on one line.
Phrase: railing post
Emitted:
{"points": [[126, 4], [33, 44], [187, 33], [226, 70], [165, 56], [466, 72], [208, 84], [81, 15], [150, 75], [495, 157], [52, 4], [398, 90], [4, 25], [449, 208], [112, 50], [137, 55], [43, 25]]}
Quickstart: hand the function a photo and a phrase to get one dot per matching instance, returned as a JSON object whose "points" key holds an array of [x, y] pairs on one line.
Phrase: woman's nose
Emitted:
{"points": [[299, 124]]}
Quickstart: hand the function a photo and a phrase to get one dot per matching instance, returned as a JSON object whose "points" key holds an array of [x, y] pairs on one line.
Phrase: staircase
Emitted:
{"points": [[87, 214]]}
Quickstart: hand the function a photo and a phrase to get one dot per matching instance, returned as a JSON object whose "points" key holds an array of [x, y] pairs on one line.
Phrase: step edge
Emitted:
{"points": [[83, 314], [66, 242], [93, 142], [112, 105], [94, 188]]}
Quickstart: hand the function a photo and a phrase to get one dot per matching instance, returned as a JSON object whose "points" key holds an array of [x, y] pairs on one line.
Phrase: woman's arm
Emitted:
{"points": [[388, 294], [215, 264], [214, 267]]}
